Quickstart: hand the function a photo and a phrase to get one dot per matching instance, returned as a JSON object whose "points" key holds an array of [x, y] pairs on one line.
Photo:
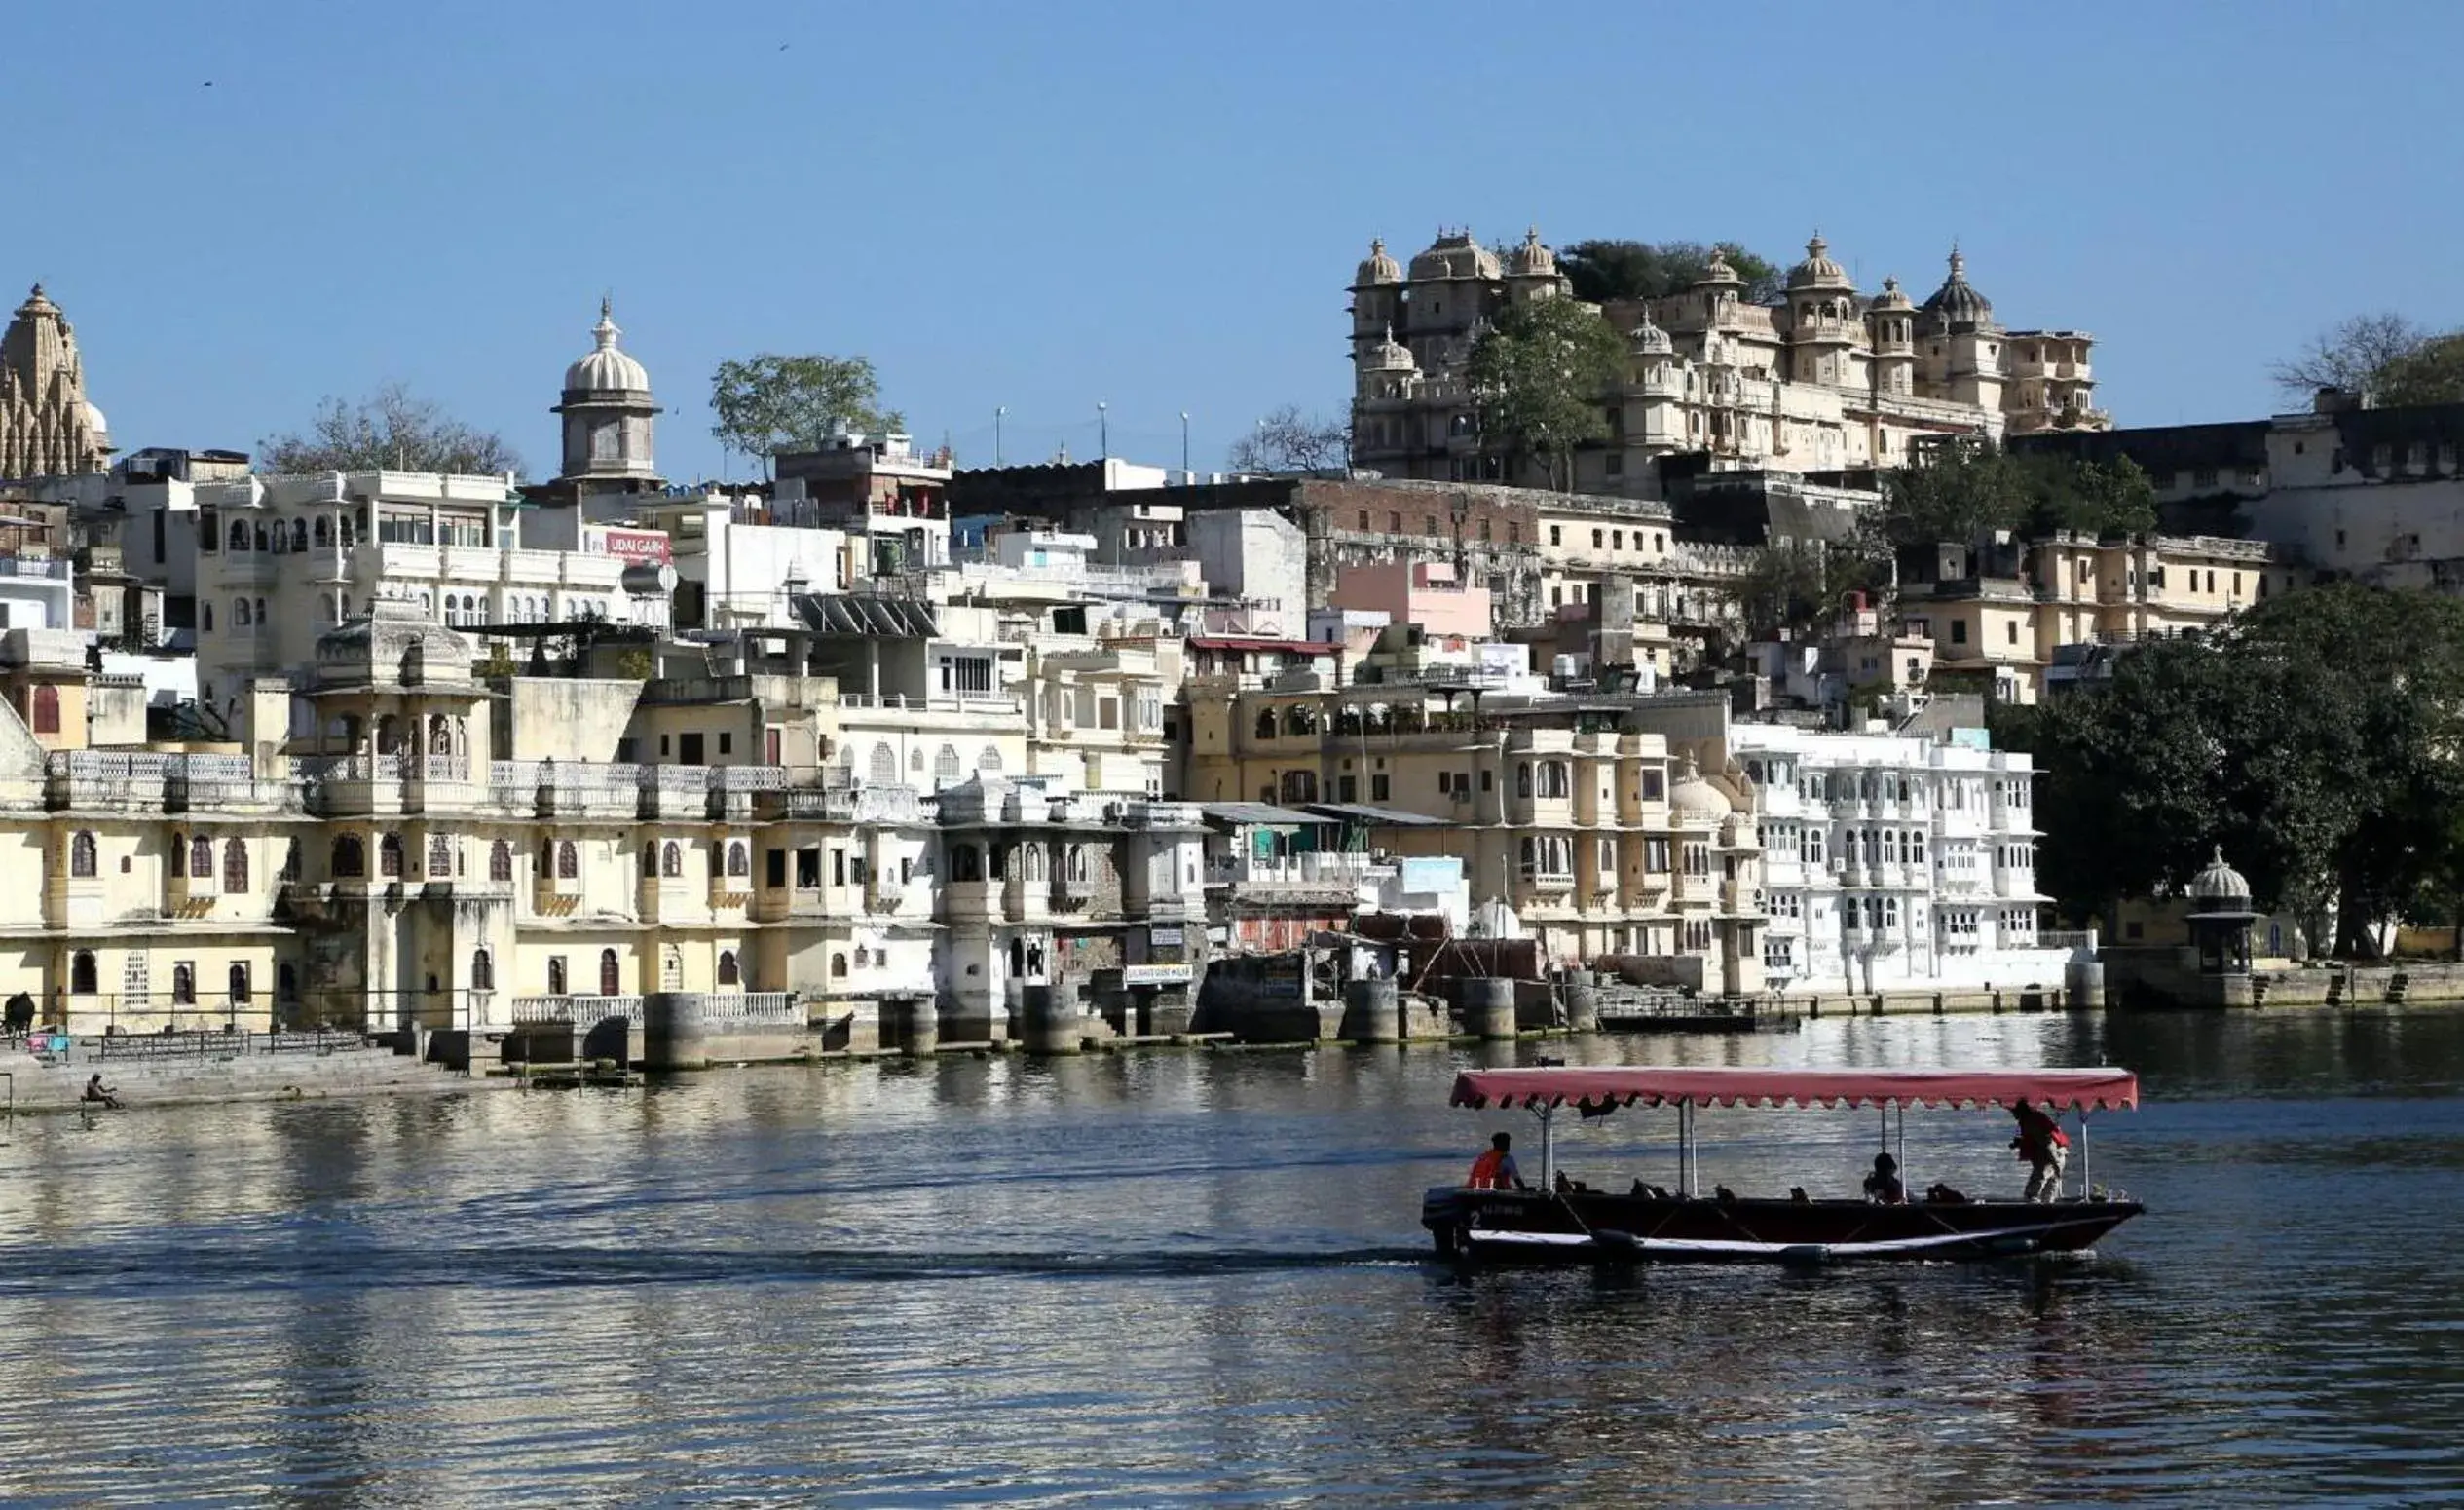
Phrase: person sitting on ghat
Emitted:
{"points": [[99, 1094], [1882, 1186], [1495, 1169], [2043, 1147]]}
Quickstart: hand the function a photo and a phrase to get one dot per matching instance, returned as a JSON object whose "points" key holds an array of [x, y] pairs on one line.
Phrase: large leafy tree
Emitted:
{"points": [[1605, 270], [391, 428], [1289, 440], [1540, 375], [1961, 488], [770, 404], [1795, 589], [2385, 354], [2319, 739]]}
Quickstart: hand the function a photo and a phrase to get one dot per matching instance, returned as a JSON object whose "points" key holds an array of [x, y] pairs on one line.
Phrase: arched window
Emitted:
{"points": [[324, 531], [483, 970], [290, 862], [740, 857], [610, 976], [1031, 861], [500, 861], [183, 983], [349, 858], [884, 767], [286, 982], [261, 619], [282, 540], [389, 856], [989, 762], [262, 544], [671, 859], [239, 535], [965, 863], [200, 857], [946, 765], [179, 856], [234, 866], [568, 861], [837, 966], [82, 854], [239, 978], [240, 613], [729, 974], [47, 708], [1266, 723], [440, 856], [555, 976], [207, 618], [1522, 779], [81, 973], [650, 858]]}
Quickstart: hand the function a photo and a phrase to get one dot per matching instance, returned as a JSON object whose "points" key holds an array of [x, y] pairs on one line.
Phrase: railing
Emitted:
{"points": [[750, 1006], [215, 1043], [1298, 873], [584, 1010]]}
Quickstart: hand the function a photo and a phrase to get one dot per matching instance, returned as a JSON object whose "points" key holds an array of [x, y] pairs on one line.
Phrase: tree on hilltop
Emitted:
{"points": [[390, 429], [2386, 356], [1604, 270], [770, 404]]}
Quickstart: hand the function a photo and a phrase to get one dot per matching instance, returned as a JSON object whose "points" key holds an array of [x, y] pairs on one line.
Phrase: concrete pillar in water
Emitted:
{"points": [[1372, 1012], [1582, 1002], [2083, 981], [917, 1023], [1488, 1007], [675, 1036], [1051, 1022]]}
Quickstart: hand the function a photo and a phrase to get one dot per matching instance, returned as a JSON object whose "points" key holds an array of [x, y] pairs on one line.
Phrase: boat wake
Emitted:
{"points": [[139, 1270]]}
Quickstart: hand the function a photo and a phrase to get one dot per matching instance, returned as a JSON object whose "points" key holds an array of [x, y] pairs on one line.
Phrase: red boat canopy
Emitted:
{"points": [[1660, 1085]]}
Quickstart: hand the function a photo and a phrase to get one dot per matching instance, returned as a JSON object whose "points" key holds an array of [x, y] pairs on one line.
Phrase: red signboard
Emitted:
{"points": [[637, 547]]}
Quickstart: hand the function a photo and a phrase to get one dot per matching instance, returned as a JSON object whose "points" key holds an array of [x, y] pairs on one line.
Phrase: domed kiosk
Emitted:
{"points": [[2219, 921]]}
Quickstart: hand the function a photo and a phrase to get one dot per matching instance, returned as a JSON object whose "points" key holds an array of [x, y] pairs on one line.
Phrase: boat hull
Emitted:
{"points": [[1591, 1228]]}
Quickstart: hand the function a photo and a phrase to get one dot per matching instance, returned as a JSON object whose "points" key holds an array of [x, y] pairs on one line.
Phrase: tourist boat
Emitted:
{"points": [[1574, 1225]]}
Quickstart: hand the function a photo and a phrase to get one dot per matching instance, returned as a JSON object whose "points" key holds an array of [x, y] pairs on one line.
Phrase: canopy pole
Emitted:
{"points": [[2087, 1185], [1548, 1146], [1685, 1149], [1903, 1148]]}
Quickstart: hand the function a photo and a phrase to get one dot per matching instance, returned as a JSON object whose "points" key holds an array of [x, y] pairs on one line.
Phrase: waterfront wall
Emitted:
{"points": [[175, 1073]]}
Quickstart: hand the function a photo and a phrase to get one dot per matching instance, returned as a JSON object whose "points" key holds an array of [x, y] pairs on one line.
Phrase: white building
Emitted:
{"points": [[1894, 862]]}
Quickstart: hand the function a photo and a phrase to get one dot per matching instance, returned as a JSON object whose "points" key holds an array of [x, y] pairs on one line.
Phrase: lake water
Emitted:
{"points": [[1178, 1278]]}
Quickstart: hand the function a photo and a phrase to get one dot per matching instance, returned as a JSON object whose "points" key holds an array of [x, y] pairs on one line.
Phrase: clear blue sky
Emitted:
{"points": [[1044, 205]]}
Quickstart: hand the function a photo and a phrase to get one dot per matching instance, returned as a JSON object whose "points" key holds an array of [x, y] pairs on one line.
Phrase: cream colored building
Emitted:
{"points": [[1605, 842], [1828, 378]]}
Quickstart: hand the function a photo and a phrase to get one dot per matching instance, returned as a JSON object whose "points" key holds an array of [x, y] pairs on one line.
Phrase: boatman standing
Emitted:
{"points": [[2043, 1147], [1495, 1169]]}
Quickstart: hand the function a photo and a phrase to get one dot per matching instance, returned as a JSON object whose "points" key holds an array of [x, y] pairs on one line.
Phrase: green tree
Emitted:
{"points": [[1956, 490], [769, 403], [1797, 588], [1605, 270], [2088, 497], [390, 429], [2385, 354], [2319, 739], [1540, 375]]}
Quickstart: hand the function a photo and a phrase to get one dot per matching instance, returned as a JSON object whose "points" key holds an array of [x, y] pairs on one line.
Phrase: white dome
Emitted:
{"points": [[606, 369], [1693, 797], [95, 425]]}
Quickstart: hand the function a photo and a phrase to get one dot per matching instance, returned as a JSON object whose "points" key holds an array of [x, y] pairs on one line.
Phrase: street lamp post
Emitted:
{"points": [[999, 413], [1103, 428], [1184, 445]]}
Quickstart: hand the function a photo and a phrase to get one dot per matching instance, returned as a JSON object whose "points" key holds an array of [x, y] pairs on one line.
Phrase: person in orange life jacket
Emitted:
{"points": [[2043, 1147], [1495, 1169]]}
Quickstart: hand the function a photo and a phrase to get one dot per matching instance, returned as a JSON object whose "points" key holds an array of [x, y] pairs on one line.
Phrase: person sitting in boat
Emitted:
{"points": [[1882, 1186], [1495, 1169], [2043, 1147]]}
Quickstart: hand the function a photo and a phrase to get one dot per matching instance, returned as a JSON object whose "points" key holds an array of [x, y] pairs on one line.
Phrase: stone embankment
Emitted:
{"points": [[51, 1072]]}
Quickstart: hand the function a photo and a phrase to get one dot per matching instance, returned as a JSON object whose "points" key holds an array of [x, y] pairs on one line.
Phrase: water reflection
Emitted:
{"points": [[1169, 1279]]}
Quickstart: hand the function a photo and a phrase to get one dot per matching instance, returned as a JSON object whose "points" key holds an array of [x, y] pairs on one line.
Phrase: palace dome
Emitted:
{"points": [[1956, 302], [1532, 259], [1455, 254], [1390, 355], [607, 369], [2219, 882], [1891, 299], [1651, 341], [1378, 268], [1817, 270], [1717, 273]]}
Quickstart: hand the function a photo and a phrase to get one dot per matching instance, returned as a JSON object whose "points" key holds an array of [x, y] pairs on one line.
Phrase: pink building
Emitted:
{"points": [[1422, 593]]}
